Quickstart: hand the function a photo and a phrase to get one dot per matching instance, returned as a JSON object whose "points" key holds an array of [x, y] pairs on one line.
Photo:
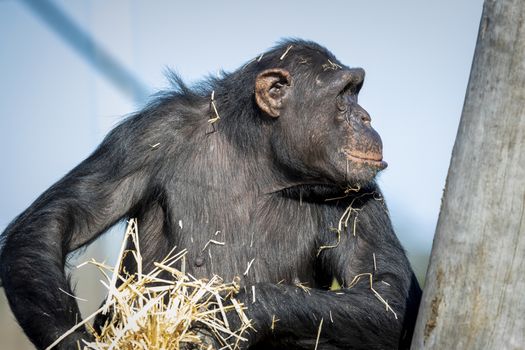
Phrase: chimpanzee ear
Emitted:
{"points": [[271, 89]]}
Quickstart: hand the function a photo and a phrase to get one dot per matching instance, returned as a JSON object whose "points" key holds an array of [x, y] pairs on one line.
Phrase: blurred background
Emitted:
{"points": [[70, 70]]}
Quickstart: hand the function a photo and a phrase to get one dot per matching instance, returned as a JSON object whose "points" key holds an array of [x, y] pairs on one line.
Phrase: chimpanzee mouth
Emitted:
{"points": [[375, 161]]}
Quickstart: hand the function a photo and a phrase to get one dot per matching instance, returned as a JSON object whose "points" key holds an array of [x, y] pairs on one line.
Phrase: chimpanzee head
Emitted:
{"points": [[320, 133]]}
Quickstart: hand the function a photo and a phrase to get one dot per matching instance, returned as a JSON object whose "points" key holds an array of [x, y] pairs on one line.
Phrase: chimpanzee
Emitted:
{"points": [[276, 161]]}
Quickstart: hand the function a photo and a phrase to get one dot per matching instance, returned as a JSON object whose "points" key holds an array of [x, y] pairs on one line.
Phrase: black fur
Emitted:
{"points": [[264, 183]]}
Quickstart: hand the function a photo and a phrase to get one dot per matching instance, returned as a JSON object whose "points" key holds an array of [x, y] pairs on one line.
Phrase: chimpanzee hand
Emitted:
{"points": [[208, 340]]}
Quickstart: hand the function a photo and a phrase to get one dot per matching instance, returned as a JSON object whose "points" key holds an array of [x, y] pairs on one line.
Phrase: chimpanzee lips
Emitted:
{"points": [[371, 159]]}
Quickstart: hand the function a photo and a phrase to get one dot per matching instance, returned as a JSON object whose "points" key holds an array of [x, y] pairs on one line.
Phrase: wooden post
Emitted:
{"points": [[474, 296]]}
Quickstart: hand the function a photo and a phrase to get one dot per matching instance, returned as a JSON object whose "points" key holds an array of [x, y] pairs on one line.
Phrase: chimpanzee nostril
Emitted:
{"points": [[365, 117], [360, 115]]}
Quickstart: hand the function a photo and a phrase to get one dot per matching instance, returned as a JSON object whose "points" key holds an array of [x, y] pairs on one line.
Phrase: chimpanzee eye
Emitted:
{"points": [[341, 102]]}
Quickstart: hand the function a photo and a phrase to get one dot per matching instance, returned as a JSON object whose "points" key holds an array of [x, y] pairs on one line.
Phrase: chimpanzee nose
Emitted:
{"points": [[362, 115]]}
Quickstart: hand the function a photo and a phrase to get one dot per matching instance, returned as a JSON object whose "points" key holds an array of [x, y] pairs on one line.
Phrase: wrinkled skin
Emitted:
{"points": [[337, 143]]}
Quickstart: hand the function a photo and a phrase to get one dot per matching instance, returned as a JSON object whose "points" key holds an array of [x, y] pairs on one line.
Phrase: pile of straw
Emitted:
{"points": [[147, 311]]}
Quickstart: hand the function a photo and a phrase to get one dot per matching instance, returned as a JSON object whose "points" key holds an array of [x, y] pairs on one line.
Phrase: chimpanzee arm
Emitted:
{"points": [[354, 317], [73, 212]]}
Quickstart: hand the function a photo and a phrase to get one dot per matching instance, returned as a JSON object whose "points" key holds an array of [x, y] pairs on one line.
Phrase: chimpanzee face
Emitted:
{"points": [[321, 134]]}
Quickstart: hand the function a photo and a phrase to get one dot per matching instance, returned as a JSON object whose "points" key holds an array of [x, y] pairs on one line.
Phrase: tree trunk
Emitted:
{"points": [[474, 296]]}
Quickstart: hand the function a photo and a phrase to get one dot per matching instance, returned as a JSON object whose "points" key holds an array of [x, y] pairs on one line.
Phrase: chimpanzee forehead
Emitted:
{"points": [[302, 46], [301, 52]]}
